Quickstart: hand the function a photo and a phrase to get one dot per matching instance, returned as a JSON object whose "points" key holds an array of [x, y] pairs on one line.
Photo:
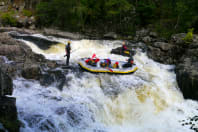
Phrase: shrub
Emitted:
{"points": [[27, 13], [8, 19], [189, 36]]}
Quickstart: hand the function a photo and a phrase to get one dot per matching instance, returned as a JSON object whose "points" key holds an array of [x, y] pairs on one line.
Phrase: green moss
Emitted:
{"points": [[189, 36], [27, 13], [8, 19]]}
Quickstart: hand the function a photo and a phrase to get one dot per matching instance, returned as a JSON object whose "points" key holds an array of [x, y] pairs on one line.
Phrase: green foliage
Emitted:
{"points": [[189, 36], [8, 19], [122, 16], [80, 13], [27, 13]]}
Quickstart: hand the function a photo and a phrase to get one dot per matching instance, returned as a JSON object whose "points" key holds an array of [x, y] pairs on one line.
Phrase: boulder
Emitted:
{"points": [[6, 85], [187, 77], [2, 3], [178, 38], [110, 35], [142, 33], [31, 71], [165, 52], [163, 46], [8, 114], [10, 50], [58, 33], [147, 39], [153, 34]]}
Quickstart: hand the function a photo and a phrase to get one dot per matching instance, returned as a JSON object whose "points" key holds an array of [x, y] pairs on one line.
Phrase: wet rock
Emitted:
{"points": [[3, 8], [6, 85], [10, 50], [20, 30], [178, 38], [110, 35], [40, 42], [163, 46], [2, 3], [8, 114], [31, 72], [187, 77], [166, 53], [53, 76], [153, 34], [146, 39], [59, 33], [142, 33]]}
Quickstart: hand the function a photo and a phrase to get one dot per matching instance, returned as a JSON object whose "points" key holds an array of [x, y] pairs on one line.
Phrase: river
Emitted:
{"points": [[147, 101]]}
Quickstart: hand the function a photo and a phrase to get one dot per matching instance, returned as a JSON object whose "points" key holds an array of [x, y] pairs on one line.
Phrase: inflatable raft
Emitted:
{"points": [[97, 68]]}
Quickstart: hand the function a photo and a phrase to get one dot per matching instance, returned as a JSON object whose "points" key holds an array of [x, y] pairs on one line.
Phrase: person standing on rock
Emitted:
{"points": [[67, 50]]}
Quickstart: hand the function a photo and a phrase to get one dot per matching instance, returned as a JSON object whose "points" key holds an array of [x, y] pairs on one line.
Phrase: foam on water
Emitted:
{"points": [[147, 101]]}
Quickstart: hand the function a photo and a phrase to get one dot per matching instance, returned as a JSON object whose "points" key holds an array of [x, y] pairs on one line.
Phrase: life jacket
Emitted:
{"points": [[96, 60], [124, 47], [87, 60]]}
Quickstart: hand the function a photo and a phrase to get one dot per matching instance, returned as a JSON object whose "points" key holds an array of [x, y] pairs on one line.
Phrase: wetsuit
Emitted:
{"points": [[129, 63], [68, 48]]}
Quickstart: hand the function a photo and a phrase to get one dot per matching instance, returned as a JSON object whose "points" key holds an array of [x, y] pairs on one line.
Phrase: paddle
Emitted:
{"points": [[71, 52], [93, 56], [109, 69]]}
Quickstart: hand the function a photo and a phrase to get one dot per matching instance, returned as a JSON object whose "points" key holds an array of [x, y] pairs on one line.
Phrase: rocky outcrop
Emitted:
{"points": [[21, 61], [8, 114], [187, 72], [184, 56], [16, 60], [63, 34], [6, 85], [166, 53]]}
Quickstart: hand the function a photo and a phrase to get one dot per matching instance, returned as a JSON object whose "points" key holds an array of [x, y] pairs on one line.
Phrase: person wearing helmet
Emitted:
{"points": [[108, 62], [124, 47], [129, 62], [116, 65], [67, 50]]}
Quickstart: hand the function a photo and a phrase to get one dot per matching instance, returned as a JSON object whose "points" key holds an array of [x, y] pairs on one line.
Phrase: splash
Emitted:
{"points": [[147, 101]]}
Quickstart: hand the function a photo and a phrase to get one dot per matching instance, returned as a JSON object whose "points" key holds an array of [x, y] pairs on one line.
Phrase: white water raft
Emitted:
{"points": [[98, 69]]}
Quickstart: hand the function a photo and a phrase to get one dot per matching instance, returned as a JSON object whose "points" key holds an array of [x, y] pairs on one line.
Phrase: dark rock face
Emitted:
{"points": [[42, 43], [6, 85], [184, 56], [31, 72], [187, 74], [16, 60], [8, 114], [165, 52]]}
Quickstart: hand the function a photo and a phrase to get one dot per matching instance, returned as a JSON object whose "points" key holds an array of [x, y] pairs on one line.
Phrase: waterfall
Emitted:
{"points": [[147, 101]]}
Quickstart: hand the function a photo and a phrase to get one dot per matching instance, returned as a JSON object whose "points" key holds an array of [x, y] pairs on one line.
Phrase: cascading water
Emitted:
{"points": [[146, 101]]}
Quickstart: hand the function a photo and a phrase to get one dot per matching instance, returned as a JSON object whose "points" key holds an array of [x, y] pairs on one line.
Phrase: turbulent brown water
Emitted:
{"points": [[147, 101]]}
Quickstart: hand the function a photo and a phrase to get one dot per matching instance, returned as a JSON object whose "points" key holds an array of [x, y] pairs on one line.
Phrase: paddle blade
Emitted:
{"points": [[109, 69], [93, 56]]}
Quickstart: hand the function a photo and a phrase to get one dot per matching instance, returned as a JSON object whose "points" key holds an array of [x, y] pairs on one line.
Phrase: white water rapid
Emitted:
{"points": [[147, 101]]}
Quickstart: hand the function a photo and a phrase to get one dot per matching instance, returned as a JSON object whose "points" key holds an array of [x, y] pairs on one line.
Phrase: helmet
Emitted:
{"points": [[68, 42], [117, 63]]}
